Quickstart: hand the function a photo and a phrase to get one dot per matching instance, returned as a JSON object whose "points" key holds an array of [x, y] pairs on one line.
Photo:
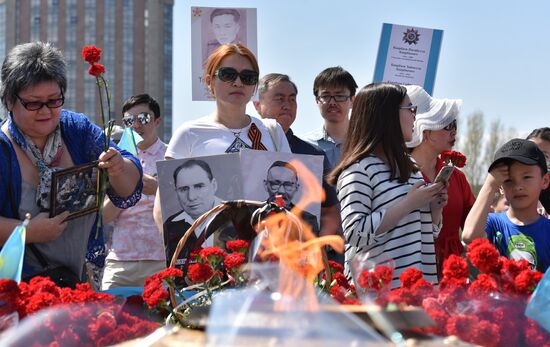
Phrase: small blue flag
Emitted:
{"points": [[13, 252], [129, 140], [538, 308]]}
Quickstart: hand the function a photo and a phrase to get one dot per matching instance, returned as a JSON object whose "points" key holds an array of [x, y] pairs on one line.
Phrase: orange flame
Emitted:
{"points": [[299, 251]]}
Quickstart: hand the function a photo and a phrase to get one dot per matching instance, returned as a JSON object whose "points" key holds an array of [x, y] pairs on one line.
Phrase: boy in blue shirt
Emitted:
{"points": [[519, 169]]}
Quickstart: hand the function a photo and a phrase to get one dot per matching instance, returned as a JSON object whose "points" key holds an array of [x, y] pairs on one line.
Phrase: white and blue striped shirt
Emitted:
{"points": [[366, 192]]}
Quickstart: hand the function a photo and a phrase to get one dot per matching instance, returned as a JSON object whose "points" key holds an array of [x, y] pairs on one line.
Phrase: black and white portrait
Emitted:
{"points": [[75, 190], [212, 27], [188, 189]]}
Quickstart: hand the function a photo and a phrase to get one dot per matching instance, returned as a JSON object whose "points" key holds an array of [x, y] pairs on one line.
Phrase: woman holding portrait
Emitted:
{"points": [[231, 75], [38, 138]]}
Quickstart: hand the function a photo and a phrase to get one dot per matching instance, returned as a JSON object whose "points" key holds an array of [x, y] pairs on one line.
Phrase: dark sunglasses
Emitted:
{"points": [[37, 105], [451, 126], [229, 74], [411, 108], [128, 119]]}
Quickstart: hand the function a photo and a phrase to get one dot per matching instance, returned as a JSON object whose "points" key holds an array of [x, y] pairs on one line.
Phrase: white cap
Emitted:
{"points": [[432, 113]]}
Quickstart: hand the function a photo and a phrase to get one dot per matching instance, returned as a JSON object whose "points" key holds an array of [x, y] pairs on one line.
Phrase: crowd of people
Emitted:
{"points": [[381, 149]]}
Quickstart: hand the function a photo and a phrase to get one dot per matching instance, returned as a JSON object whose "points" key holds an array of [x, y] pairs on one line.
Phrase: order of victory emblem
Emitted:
{"points": [[411, 36]]}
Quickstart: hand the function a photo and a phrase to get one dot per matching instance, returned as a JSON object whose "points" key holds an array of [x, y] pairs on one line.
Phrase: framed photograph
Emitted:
{"points": [[75, 189]]}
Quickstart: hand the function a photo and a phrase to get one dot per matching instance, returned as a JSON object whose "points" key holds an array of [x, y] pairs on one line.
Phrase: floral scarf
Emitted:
{"points": [[46, 162]]}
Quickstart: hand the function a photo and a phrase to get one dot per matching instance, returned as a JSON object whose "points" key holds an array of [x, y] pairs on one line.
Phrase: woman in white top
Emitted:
{"points": [[387, 210], [231, 75]]}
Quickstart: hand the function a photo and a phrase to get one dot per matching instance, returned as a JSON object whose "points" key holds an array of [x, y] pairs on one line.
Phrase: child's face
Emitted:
{"points": [[523, 187]]}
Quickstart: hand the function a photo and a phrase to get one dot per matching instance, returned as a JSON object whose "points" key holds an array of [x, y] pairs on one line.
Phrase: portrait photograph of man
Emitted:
{"points": [[188, 189], [268, 174], [212, 27]]}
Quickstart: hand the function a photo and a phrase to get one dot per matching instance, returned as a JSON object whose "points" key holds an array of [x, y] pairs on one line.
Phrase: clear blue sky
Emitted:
{"points": [[494, 55]]}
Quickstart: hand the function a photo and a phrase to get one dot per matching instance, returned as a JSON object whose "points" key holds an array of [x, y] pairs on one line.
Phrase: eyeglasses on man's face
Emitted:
{"points": [[276, 185], [229, 74], [411, 108], [129, 119], [37, 105], [452, 126], [325, 99]]}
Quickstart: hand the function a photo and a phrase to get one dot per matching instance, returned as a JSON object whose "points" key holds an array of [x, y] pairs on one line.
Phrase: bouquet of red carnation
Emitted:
{"points": [[487, 310], [211, 269], [453, 158], [67, 317]]}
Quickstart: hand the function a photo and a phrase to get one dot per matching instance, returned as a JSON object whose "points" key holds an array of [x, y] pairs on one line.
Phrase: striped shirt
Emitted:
{"points": [[366, 192]]}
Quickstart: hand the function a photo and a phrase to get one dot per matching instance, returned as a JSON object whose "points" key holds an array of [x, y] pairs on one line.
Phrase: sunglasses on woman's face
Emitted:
{"points": [[129, 119], [229, 74], [451, 126]]}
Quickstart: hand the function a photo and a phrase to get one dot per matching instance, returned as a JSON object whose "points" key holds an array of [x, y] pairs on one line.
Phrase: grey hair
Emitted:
{"points": [[28, 64], [271, 79]]}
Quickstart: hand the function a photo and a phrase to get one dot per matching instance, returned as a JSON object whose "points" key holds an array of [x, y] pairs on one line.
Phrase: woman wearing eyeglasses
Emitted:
{"points": [[38, 138], [388, 212], [231, 75], [434, 132]]}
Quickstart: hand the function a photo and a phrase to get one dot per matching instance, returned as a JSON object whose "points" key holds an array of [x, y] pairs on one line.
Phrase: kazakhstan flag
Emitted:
{"points": [[129, 140], [13, 252]]}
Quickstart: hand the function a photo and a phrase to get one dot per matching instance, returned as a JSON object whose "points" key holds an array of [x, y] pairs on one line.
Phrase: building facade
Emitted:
{"points": [[135, 36]]}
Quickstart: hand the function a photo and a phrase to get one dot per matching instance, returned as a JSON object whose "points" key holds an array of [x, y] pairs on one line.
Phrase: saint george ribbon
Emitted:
{"points": [[255, 136]]}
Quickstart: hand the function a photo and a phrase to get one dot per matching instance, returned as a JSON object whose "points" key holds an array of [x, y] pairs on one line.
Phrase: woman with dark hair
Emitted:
{"points": [[38, 138], [387, 210]]}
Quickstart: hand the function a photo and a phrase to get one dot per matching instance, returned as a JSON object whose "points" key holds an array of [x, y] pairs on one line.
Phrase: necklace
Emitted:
{"points": [[237, 133]]}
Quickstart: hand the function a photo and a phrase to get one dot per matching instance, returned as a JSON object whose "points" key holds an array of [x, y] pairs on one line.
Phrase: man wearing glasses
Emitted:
{"points": [[136, 249], [334, 90], [282, 179]]}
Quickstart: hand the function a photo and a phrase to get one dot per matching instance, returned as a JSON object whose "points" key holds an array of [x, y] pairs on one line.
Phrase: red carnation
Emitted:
{"points": [[369, 279], [527, 281], [462, 326], [341, 280], [170, 273], [410, 276], [200, 272], [335, 267], [486, 334], [91, 54], [96, 69], [237, 246], [212, 255], [154, 292], [482, 286], [338, 293], [233, 262], [483, 255], [9, 291], [454, 158], [384, 273], [455, 267]]}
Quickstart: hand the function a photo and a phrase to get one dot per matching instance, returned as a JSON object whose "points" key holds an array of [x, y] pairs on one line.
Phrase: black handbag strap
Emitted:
{"points": [[11, 195]]}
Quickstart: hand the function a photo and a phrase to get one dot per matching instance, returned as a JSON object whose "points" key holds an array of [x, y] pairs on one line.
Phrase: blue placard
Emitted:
{"points": [[408, 55]]}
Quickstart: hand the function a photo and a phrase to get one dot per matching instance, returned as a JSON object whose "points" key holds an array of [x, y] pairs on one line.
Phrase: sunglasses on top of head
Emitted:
{"points": [[129, 119], [229, 74]]}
